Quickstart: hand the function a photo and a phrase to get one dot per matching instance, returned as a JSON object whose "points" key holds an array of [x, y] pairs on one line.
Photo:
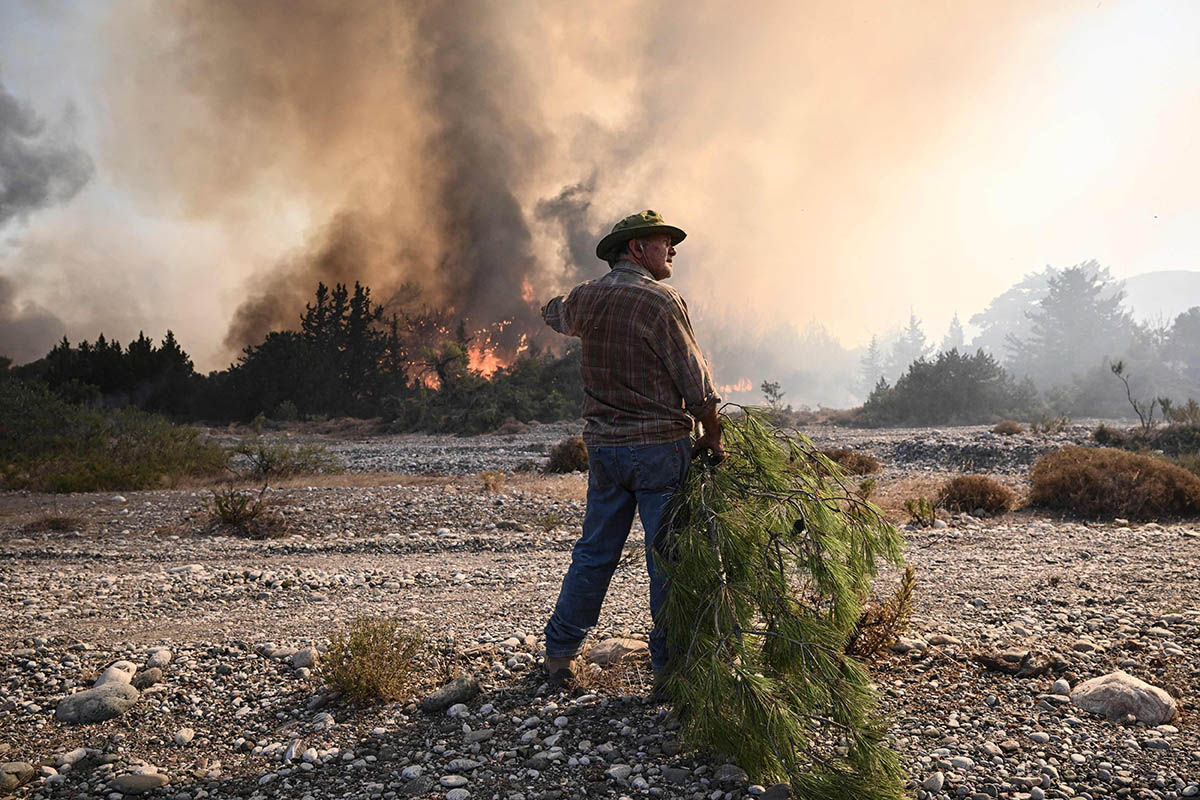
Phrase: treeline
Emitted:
{"points": [[1046, 347], [348, 358]]}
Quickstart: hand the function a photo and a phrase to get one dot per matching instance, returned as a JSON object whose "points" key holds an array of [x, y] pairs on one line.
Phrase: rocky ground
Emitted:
{"points": [[220, 632]]}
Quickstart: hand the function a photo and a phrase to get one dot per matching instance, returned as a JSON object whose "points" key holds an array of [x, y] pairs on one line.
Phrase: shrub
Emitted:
{"points": [[1008, 427], [48, 444], [1110, 437], [920, 511], [853, 462], [376, 659], [245, 514], [971, 492], [882, 622], [52, 522], [548, 522], [569, 455], [1045, 424], [286, 412], [1102, 482], [493, 480], [267, 459]]}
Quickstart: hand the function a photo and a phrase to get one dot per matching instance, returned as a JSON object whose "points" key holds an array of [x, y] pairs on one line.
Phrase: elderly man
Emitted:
{"points": [[647, 384]]}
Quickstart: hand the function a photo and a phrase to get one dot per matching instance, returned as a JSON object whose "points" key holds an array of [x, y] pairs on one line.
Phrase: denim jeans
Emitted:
{"points": [[620, 480]]}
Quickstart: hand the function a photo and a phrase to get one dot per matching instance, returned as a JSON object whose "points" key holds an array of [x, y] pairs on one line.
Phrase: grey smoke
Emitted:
{"points": [[39, 167], [27, 331]]}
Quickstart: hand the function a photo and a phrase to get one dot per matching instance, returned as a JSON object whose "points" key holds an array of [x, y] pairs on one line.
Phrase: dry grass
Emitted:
{"points": [[972, 492], [890, 496], [1102, 483], [853, 462], [882, 622], [629, 676], [569, 455], [244, 513], [1008, 427], [493, 480], [55, 523], [375, 659]]}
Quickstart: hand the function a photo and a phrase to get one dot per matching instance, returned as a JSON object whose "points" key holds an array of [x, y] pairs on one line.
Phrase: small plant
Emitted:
{"points": [[1187, 414], [548, 522], [375, 659], [853, 462], [920, 511], [1103, 483], [1045, 424], [526, 465], [1145, 413], [972, 492], [266, 459], [866, 488], [569, 455], [235, 507], [286, 412], [1008, 427], [883, 622], [1110, 437], [493, 480], [52, 522]]}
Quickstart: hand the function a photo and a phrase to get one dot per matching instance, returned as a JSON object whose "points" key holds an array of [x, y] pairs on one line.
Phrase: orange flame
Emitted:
{"points": [[484, 360], [527, 291], [743, 385]]}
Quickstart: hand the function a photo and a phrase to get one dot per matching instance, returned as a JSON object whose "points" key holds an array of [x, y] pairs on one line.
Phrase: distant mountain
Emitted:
{"points": [[1162, 295]]}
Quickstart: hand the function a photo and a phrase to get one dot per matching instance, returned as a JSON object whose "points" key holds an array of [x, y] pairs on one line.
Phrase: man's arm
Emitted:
{"points": [[555, 315], [677, 347]]}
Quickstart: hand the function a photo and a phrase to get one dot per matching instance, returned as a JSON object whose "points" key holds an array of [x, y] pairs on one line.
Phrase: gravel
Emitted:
{"points": [[225, 636]]}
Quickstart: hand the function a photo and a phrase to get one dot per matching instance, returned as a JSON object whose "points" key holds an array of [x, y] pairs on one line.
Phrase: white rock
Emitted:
{"points": [[158, 657], [305, 657], [184, 736], [119, 672], [1117, 694]]}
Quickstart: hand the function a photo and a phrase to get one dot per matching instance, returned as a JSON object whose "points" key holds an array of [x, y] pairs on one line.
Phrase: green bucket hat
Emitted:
{"points": [[635, 225]]}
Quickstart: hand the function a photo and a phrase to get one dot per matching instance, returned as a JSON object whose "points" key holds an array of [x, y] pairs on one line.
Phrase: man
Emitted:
{"points": [[647, 384]]}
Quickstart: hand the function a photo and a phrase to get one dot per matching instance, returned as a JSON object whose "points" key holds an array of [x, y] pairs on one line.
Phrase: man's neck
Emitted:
{"points": [[633, 266]]}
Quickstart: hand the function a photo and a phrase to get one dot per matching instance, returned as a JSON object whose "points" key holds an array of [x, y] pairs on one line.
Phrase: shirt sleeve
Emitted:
{"points": [[675, 343], [555, 314]]}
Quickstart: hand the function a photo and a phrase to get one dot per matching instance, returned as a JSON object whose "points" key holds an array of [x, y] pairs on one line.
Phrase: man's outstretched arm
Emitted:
{"points": [[554, 313]]}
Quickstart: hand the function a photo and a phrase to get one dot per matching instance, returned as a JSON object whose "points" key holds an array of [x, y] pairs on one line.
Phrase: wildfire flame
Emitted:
{"points": [[743, 385], [484, 360], [527, 291]]}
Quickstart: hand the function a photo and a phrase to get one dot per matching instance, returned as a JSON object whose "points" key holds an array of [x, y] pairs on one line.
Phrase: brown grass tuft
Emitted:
{"points": [[970, 492], [1100, 482], [569, 455], [493, 480], [52, 522], [853, 462], [883, 622], [1008, 427], [374, 660], [629, 676]]}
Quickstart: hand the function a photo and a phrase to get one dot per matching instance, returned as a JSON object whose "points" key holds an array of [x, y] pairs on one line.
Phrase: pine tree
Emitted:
{"points": [[953, 339], [770, 562], [908, 348], [871, 366]]}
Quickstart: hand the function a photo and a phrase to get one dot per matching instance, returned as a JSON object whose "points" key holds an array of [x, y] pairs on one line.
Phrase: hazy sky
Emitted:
{"points": [[843, 163]]}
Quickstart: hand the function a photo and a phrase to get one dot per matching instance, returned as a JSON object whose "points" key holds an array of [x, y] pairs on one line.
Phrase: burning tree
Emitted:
{"points": [[771, 562]]}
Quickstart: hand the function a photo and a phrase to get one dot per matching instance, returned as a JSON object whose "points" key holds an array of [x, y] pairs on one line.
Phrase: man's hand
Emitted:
{"points": [[710, 441]]}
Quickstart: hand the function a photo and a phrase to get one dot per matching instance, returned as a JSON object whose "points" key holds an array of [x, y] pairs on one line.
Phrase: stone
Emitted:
{"points": [[453, 781], [676, 775], [422, 784], [457, 794], [305, 658], [613, 651], [184, 736], [778, 791], [139, 782], [15, 773], [119, 672], [905, 645], [459, 690], [158, 657], [147, 678], [730, 773], [619, 772], [1118, 694], [97, 704], [934, 782], [1061, 686]]}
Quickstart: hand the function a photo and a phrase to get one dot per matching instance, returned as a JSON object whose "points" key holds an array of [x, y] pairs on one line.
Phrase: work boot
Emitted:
{"points": [[559, 671]]}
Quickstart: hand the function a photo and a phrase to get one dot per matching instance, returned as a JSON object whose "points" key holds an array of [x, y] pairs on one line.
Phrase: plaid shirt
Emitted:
{"points": [[643, 371]]}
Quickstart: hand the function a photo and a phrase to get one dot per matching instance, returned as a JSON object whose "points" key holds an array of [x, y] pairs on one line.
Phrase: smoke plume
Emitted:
{"points": [[27, 330]]}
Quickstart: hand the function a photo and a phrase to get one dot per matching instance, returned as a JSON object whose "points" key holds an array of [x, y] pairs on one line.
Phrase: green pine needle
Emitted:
{"points": [[771, 559]]}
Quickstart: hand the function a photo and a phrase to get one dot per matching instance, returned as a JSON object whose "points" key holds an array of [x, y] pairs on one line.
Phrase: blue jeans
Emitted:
{"points": [[620, 480]]}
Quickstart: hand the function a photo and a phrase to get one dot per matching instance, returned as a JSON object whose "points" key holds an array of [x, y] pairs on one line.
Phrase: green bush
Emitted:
{"points": [[48, 444], [376, 659], [268, 459], [1103, 483]]}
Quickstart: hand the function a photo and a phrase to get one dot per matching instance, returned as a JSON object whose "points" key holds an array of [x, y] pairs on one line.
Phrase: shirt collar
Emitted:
{"points": [[629, 266]]}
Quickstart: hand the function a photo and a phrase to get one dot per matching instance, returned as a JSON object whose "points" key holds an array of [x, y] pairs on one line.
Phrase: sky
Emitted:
{"points": [[203, 164]]}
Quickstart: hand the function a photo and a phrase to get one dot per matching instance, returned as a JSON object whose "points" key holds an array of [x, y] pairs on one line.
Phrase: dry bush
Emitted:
{"points": [[1101, 482], [493, 480], [244, 514], [1111, 437], [569, 455], [52, 522], [1008, 427], [374, 660], [882, 622], [548, 522], [272, 459], [970, 492], [853, 462], [631, 675]]}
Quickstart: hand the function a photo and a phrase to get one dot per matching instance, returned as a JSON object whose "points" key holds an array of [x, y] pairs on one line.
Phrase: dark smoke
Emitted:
{"points": [[38, 168], [27, 330], [569, 211]]}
